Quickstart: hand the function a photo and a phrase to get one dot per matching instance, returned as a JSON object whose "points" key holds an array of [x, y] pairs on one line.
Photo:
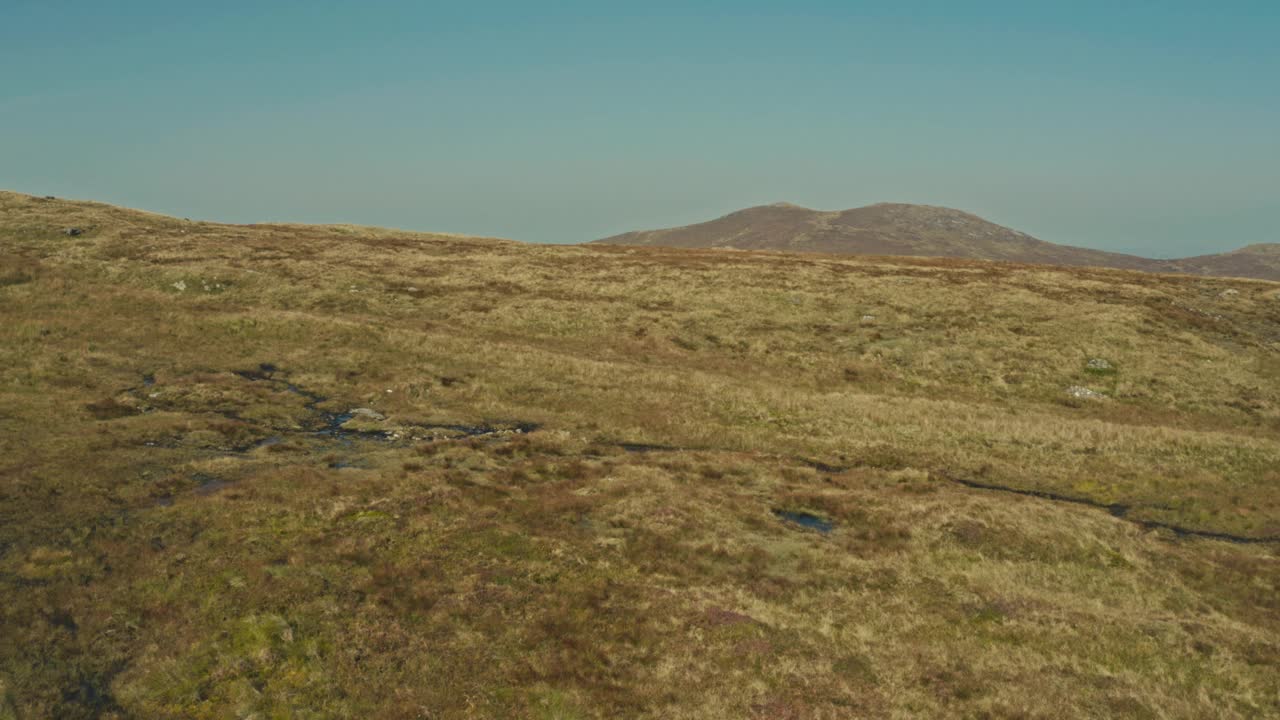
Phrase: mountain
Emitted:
{"points": [[924, 230], [1260, 261]]}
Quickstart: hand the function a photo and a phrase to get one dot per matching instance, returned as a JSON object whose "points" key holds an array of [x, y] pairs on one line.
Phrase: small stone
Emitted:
{"points": [[1083, 393], [73, 232], [1229, 293], [369, 413], [1098, 364], [181, 286]]}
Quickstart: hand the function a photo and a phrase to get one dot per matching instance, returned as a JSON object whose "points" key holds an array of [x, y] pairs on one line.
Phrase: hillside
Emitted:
{"points": [[1254, 261], [328, 471], [924, 231]]}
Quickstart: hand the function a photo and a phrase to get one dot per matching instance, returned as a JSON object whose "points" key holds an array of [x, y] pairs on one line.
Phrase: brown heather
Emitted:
{"points": [[188, 529]]}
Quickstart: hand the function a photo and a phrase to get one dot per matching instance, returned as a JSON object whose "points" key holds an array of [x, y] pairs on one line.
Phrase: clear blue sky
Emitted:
{"points": [[1150, 127]]}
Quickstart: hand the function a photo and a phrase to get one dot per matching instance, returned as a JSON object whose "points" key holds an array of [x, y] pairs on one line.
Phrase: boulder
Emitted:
{"points": [[368, 414], [1083, 393]]}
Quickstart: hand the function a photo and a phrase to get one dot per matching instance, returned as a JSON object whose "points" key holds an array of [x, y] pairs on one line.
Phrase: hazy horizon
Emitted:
{"points": [[1105, 125]]}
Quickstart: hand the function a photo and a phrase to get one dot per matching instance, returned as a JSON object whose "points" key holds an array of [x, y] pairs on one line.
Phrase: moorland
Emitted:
{"points": [[331, 471]]}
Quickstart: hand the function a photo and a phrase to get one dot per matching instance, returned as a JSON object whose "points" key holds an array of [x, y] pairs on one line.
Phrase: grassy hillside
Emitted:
{"points": [[1254, 261], [323, 471]]}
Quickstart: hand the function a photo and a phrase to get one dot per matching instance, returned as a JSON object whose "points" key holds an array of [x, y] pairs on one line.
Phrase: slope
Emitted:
{"points": [[340, 472]]}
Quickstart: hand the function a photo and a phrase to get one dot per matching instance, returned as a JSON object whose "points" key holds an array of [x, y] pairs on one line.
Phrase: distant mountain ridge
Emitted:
{"points": [[926, 230]]}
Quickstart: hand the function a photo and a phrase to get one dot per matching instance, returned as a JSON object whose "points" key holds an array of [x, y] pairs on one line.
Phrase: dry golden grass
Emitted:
{"points": [[177, 540]]}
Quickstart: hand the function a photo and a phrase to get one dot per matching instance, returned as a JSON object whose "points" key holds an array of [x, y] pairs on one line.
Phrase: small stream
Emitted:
{"points": [[325, 428]]}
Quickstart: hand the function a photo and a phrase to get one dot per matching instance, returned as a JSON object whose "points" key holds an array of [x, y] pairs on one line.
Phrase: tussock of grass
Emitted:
{"points": [[176, 540]]}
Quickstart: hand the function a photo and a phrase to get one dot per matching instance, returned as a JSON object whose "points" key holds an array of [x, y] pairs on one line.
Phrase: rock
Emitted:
{"points": [[181, 286], [1099, 364], [73, 232], [1229, 293], [1083, 393], [368, 413]]}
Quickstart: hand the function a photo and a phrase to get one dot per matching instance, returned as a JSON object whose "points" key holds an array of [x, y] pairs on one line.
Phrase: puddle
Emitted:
{"points": [[333, 428], [344, 464], [481, 430], [262, 372], [209, 484], [646, 448], [804, 519]]}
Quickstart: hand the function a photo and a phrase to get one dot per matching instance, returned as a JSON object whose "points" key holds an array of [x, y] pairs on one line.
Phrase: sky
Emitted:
{"points": [[1144, 127]]}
